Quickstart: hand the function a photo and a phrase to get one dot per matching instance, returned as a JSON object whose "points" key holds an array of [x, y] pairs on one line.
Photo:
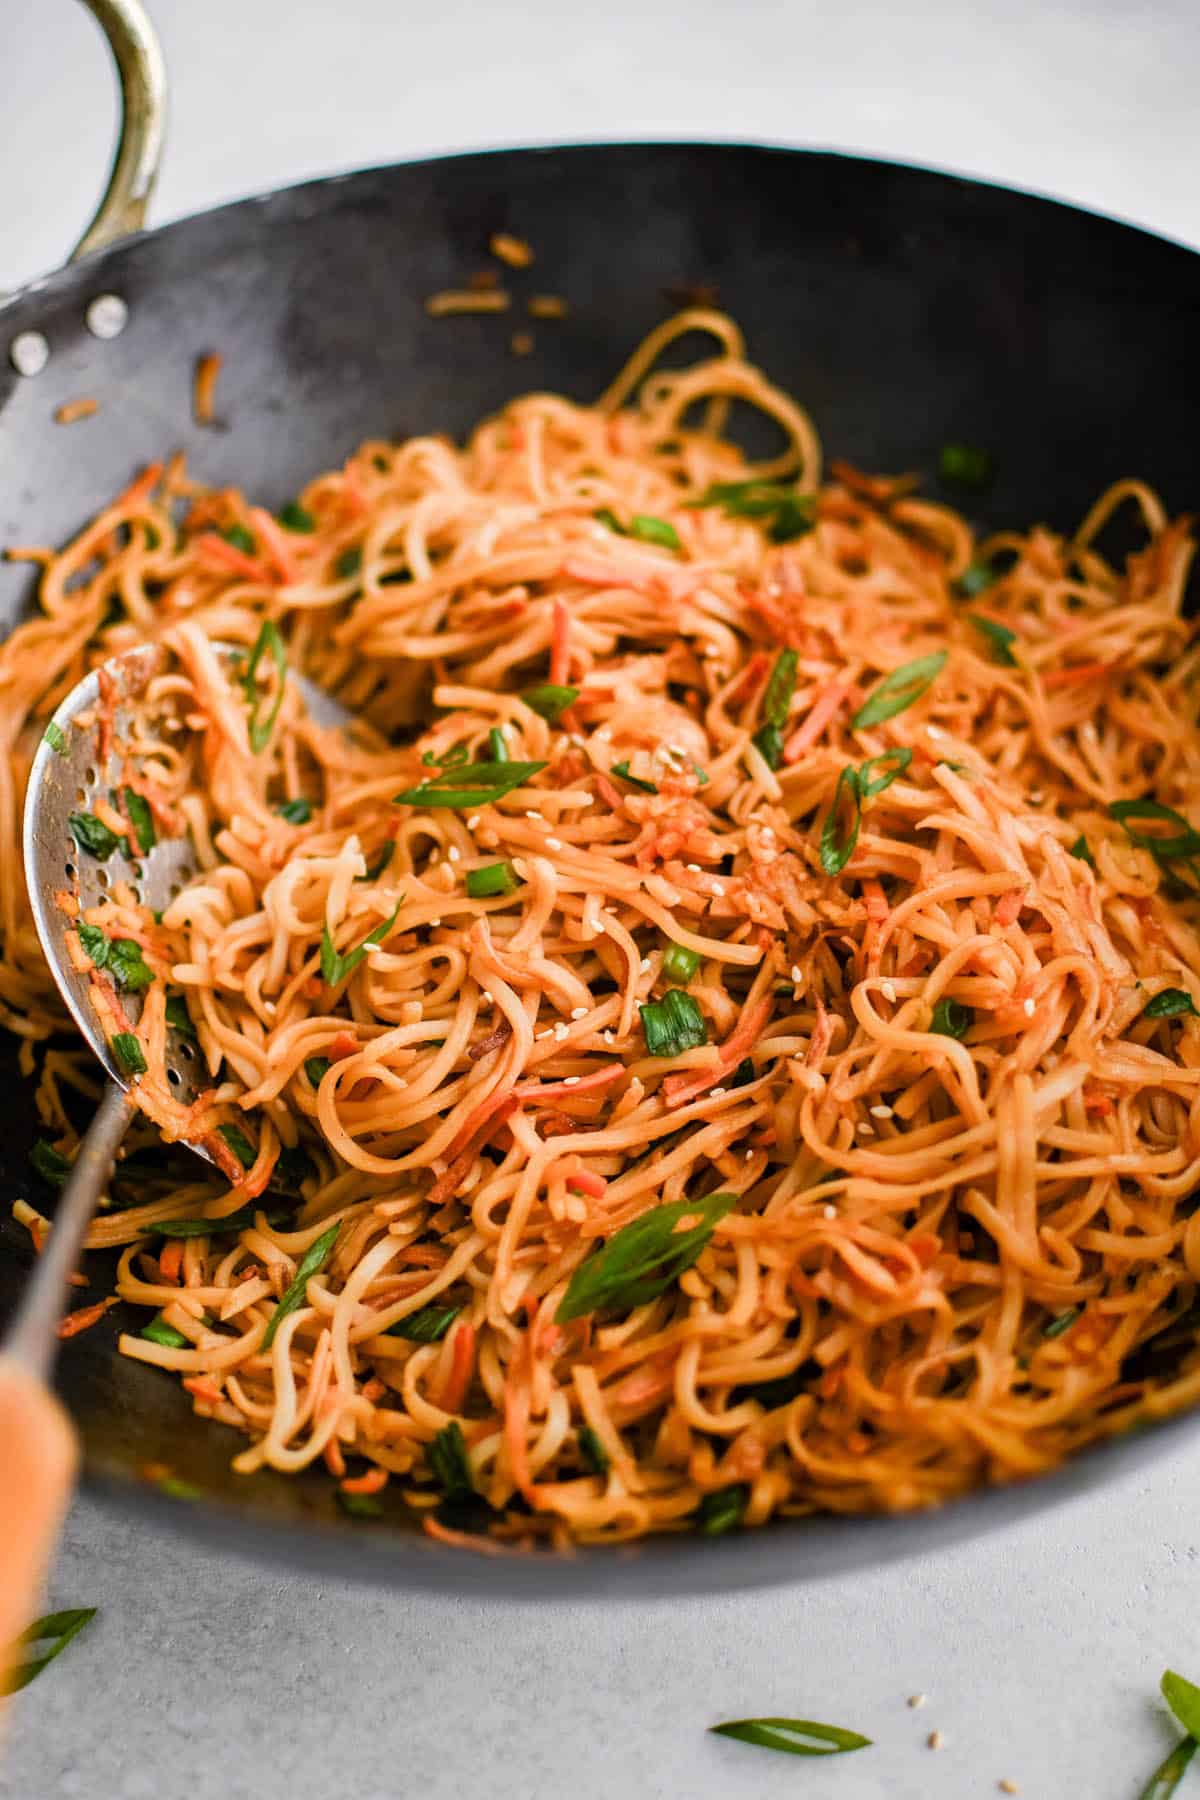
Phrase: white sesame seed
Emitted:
{"points": [[473, 821], [693, 868], [107, 316], [454, 853], [865, 1130], [644, 965], [797, 977], [435, 922], [579, 1012], [718, 1092], [935, 731], [608, 1037], [935, 1740], [718, 892], [570, 1080], [372, 949], [749, 1157], [561, 1030], [1028, 1009], [554, 843], [29, 353], [1008, 1787], [549, 1032], [881, 1112], [401, 1083], [888, 990], [537, 816], [486, 997], [916, 1700], [830, 1212]]}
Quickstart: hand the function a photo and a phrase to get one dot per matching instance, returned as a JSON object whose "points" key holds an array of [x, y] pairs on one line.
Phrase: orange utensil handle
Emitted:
{"points": [[38, 1456]]}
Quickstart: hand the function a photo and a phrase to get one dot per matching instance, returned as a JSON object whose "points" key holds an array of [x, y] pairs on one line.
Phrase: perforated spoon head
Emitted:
{"points": [[69, 775]]}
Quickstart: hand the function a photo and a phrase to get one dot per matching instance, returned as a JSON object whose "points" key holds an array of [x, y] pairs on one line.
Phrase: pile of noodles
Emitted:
{"points": [[953, 1251]]}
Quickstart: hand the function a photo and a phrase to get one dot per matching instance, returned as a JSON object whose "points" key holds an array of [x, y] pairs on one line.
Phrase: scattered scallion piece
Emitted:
{"points": [[447, 1457], [56, 738], [474, 784], [951, 1019], [999, 637], [159, 1332], [50, 1164], [311, 1263], [296, 812], [348, 563], [1080, 849], [965, 466], [1183, 1698], [128, 1052], [550, 700], [294, 517], [798, 1737], [839, 834], [622, 769], [178, 1016], [239, 1143], [122, 957], [1170, 1772], [232, 1223], [594, 1454], [776, 705], [1183, 843], [673, 1024], [375, 870], [644, 1258], [897, 691], [1171, 1003], [240, 538], [428, 1326], [316, 1068], [743, 1075], [92, 835], [360, 1506], [497, 745], [269, 642], [1062, 1323], [57, 1630], [722, 1510], [141, 819], [786, 513], [892, 762], [680, 964], [335, 968], [654, 531], [497, 878], [975, 579]]}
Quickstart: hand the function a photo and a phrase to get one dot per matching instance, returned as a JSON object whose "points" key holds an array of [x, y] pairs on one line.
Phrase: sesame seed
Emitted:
{"points": [[434, 922], [1028, 1009], [718, 1092], [454, 853], [644, 965], [29, 353], [881, 1112], [473, 821], [554, 843], [401, 1083], [693, 868], [830, 1212], [888, 990], [537, 816], [579, 1012], [561, 1030], [749, 1156], [106, 317], [915, 1700], [486, 997], [865, 1130], [718, 892], [935, 1740], [372, 949], [549, 1032], [1008, 1787], [935, 731], [608, 1037], [797, 977], [570, 1080]]}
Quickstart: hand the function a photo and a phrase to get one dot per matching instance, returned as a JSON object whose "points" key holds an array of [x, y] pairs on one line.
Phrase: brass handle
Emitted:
{"points": [[143, 76]]}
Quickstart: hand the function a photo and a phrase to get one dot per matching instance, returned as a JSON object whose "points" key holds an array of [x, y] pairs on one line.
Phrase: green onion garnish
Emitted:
{"points": [[550, 701], [296, 812], [268, 640], [128, 1052], [311, 1263], [1185, 842], [999, 636], [93, 836], [839, 834], [1171, 1003], [595, 1456], [50, 1164], [975, 579], [474, 784], [57, 1630], [178, 1016], [335, 968], [622, 769], [122, 957], [897, 691], [722, 1510], [788, 512], [240, 538], [644, 1258], [496, 878], [1080, 849], [141, 818], [428, 1326], [951, 1019], [239, 1143], [673, 1024], [348, 563], [316, 1068], [680, 964], [497, 745], [1056, 1327], [56, 738], [654, 531], [294, 517], [965, 466], [375, 870], [447, 1457], [159, 1332], [795, 1736], [892, 762]]}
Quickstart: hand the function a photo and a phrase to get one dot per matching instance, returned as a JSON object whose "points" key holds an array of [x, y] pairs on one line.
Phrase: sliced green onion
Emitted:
{"points": [[790, 1735], [232, 1223], [1183, 1698], [375, 870], [892, 762], [178, 1016], [348, 563], [428, 1326], [268, 640], [294, 517], [447, 1457], [780, 689], [1169, 1004], [335, 968], [159, 1332], [497, 745], [1056, 1327], [240, 538], [654, 531], [56, 738], [239, 1143], [768, 741], [622, 769], [496, 878], [1186, 841], [897, 691], [743, 1075], [1170, 1772], [965, 466], [999, 636], [594, 1454], [316, 1068], [680, 964], [951, 1019], [56, 1629], [605, 516], [128, 1052], [1080, 849], [50, 1164], [644, 1258], [92, 835], [296, 812], [723, 1510], [975, 579], [839, 835], [550, 701], [673, 1024], [141, 818], [488, 781], [311, 1263], [787, 513], [360, 1506]]}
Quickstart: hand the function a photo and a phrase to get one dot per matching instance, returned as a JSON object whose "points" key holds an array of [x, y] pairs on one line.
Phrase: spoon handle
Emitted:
{"points": [[32, 1338]]}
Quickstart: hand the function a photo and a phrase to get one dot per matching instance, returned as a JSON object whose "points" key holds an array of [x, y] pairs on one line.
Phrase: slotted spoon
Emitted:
{"points": [[68, 776]]}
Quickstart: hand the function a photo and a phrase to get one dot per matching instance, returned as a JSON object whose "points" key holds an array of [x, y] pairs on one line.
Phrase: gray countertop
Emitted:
{"points": [[1039, 1648]]}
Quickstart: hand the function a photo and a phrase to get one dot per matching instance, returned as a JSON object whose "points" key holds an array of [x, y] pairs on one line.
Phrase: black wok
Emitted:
{"points": [[906, 308]]}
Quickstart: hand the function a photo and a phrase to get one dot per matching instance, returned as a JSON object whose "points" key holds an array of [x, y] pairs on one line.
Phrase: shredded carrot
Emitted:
{"points": [[201, 1388], [335, 1462], [511, 250], [34, 553], [204, 388], [372, 1481], [824, 710], [464, 300], [462, 1367], [546, 1090], [560, 649], [170, 1259], [1076, 674], [72, 410], [876, 900], [1008, 907], [84, 1319], [584, 1181], [275, 540], [224, 556], [679, 1090]]}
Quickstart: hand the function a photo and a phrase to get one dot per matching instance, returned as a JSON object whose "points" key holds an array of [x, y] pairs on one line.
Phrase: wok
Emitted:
{"points": [[906, 308]]}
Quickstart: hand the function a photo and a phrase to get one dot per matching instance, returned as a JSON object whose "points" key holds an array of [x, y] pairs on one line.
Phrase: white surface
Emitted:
{"points": [[1039, 1649]]}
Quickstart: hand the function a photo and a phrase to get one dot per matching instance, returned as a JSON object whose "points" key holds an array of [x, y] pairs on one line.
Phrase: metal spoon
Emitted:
{"points": [[67, 776]]}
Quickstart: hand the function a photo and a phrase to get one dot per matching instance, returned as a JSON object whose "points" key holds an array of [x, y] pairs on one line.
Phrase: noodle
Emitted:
{"points": [[921, 1073]]}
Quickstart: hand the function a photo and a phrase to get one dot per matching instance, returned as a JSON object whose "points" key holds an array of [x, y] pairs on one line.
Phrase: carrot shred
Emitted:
{"points": [[823, 711], [560, 649], [545, 1090], [1008, 907], [170, 1259], [84, 1318], [372, 1481], [1076, 674], [462, 1366], [204, 388], [201, 1388]]}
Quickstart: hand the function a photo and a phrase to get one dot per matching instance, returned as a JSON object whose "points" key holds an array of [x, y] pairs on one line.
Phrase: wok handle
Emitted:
{"points": [[37, 1472], [143, 76]]}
